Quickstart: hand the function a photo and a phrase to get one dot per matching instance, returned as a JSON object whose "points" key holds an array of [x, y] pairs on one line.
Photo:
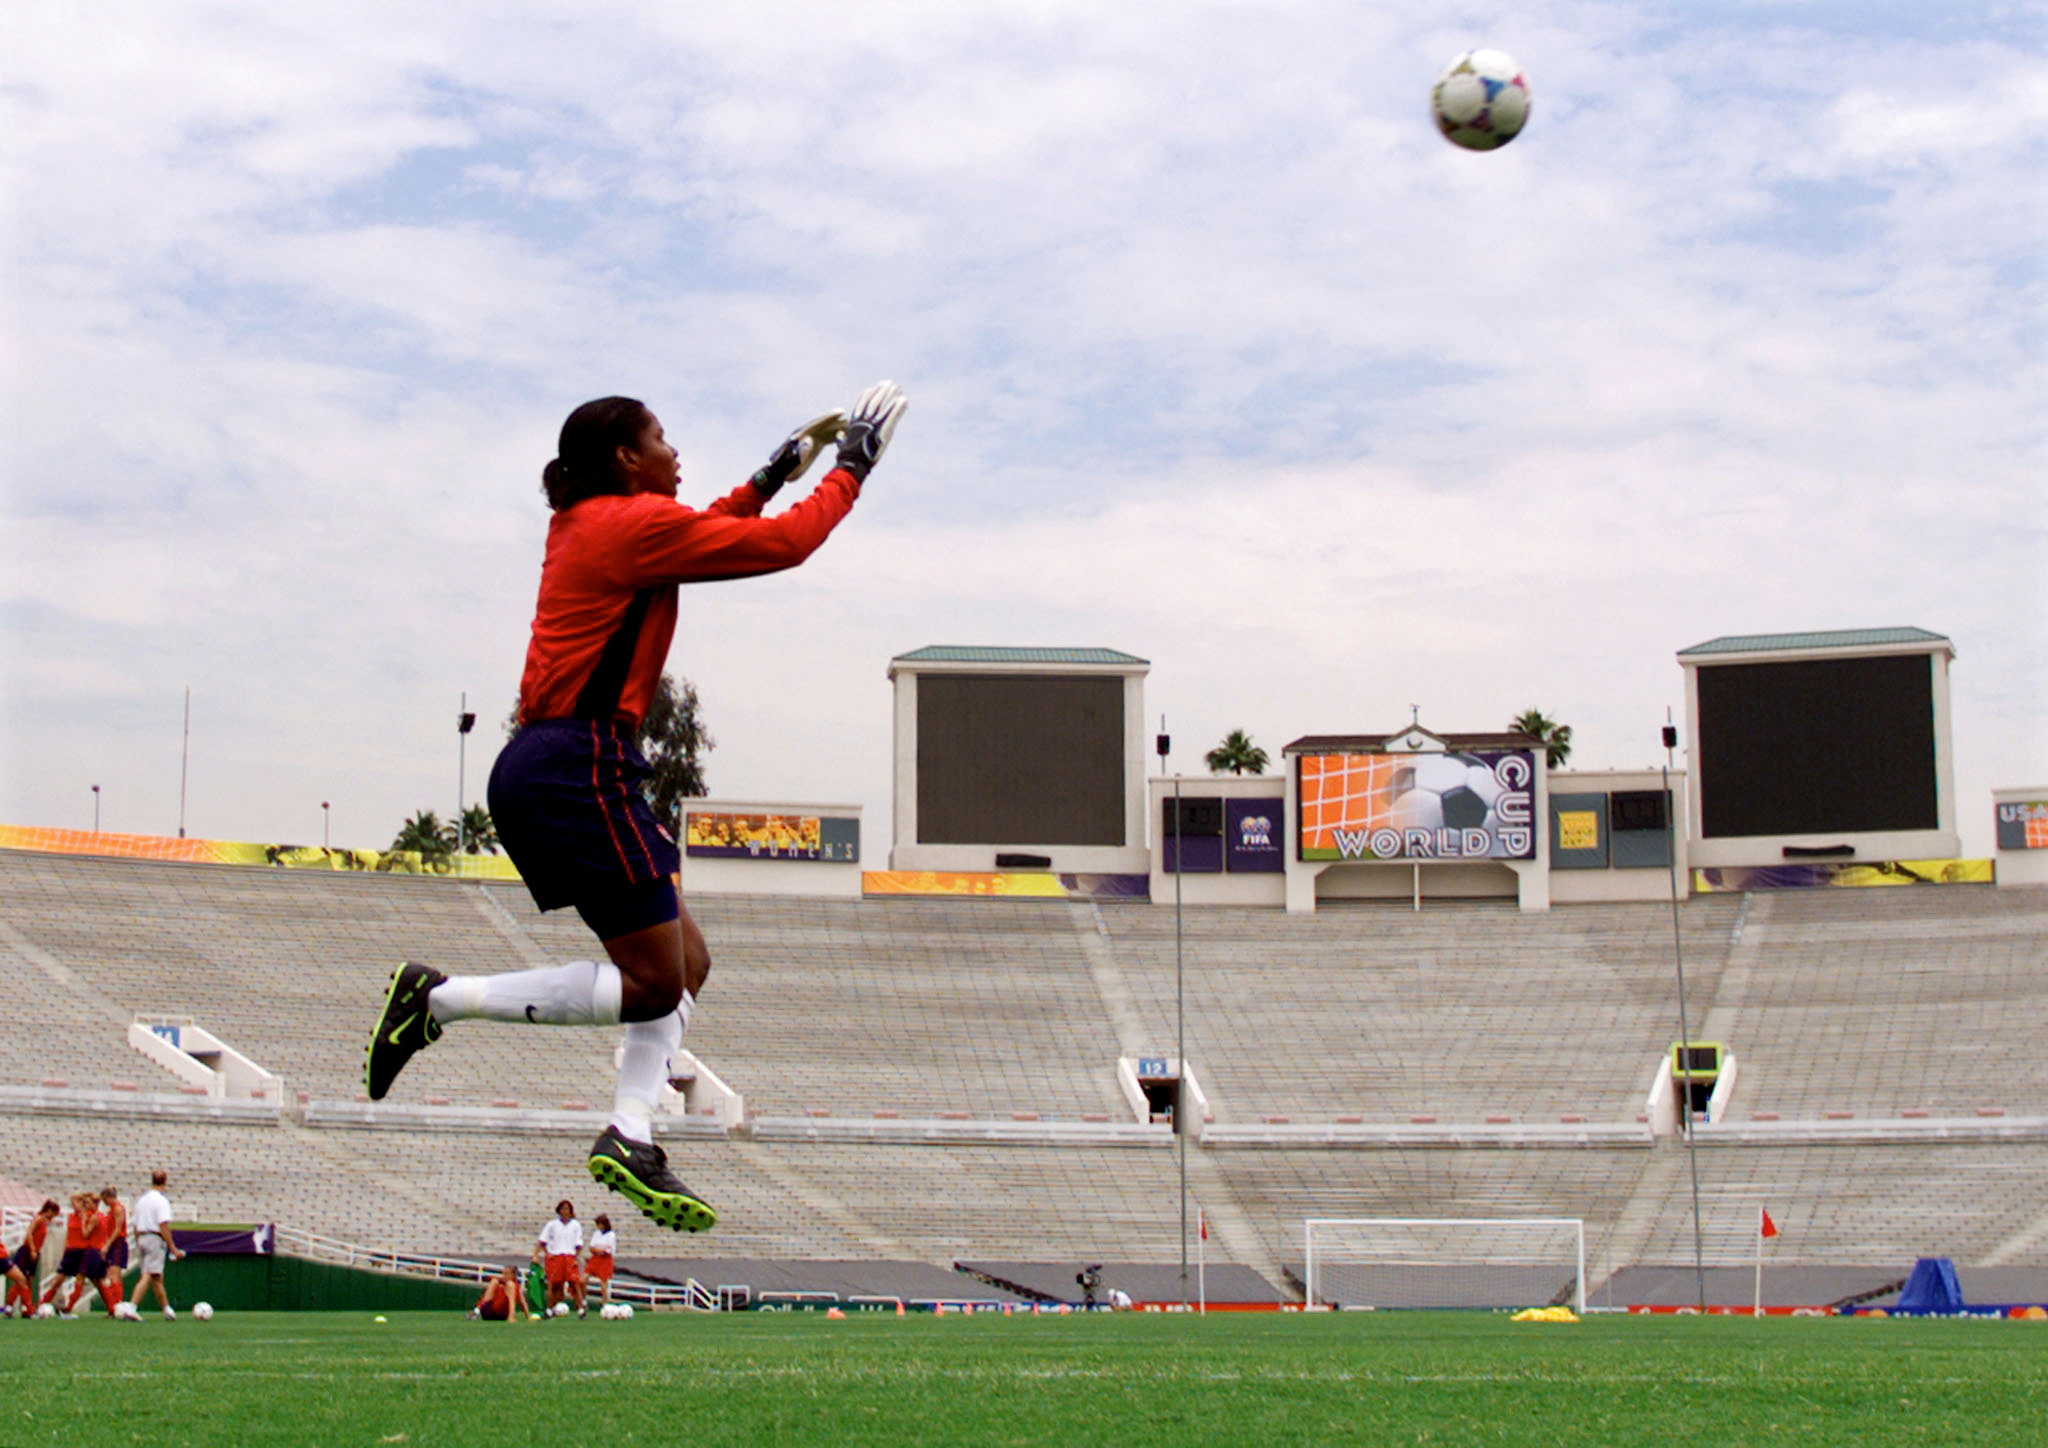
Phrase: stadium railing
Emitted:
{"points": [[335, 1253]]}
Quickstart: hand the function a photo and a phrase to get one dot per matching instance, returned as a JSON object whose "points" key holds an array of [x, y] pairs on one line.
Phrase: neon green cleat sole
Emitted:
{"points": [[638, 1171]]}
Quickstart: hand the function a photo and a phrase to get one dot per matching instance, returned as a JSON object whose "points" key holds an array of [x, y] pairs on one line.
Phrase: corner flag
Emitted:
{"points": [[1766, 1228]]}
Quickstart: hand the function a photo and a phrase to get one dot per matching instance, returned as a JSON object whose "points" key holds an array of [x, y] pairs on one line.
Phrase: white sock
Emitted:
{"points": [[643, 1069], [581, 993]]}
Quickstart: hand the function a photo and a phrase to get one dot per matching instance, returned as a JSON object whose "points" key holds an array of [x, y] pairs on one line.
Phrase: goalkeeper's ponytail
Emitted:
{"points": [[586, 464]]}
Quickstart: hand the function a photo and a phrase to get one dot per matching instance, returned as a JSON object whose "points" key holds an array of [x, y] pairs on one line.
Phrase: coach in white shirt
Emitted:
{"points": [[560, 1244], [154, 1240]]}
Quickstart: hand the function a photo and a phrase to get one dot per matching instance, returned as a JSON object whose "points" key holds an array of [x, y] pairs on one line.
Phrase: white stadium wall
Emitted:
{"points": [[1615, 878], [1227, 881]]}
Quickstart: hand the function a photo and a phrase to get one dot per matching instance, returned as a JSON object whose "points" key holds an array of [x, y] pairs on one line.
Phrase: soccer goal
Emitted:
{"points": [[1438, 1262]]}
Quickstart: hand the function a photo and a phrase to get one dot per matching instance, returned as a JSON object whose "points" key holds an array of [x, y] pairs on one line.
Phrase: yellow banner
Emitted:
{"points": [[234, 852], [1035, 885], [1808, 874]]}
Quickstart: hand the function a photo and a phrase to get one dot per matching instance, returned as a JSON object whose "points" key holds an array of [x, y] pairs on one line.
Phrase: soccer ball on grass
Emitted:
{"points": [[203, 1311], [1481, 101]]}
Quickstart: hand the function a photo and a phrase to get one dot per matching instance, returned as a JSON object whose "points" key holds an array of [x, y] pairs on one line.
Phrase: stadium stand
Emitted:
{"points": [[888, 1048], [1363, 1010], [1898, 1004], [759, 1282]]}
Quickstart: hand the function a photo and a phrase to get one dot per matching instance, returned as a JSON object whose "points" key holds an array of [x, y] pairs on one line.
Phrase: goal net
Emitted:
{"points": [[1445, 1262]]}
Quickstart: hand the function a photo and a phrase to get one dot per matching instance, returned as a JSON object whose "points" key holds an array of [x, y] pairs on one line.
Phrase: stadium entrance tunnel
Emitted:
{"points": [[1695, 1077], [202, 1062], [1149, 1085]]}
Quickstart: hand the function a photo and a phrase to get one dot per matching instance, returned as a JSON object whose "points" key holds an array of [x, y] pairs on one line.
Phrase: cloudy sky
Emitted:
{"points": [[1217, 353]]}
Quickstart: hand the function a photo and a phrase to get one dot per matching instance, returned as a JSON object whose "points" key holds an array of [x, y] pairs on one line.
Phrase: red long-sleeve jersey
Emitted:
{"points": [[604, 552]]}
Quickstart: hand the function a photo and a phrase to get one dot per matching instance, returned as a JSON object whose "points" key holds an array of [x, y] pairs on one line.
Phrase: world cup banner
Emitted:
{"points": [[1477, 806]]}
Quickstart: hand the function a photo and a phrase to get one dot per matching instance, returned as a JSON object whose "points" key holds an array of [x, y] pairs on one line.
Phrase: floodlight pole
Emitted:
{"points": [[1180, 1051], [1692, 1159], [324, 818], [464, 722], [184, 761], [95, 809]]}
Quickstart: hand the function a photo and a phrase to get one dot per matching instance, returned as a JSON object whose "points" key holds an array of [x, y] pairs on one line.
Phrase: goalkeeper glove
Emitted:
{"points": [[796, 452], [875, 415]]}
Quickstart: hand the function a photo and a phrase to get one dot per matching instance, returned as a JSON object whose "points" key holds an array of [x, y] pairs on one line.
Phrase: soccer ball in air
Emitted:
{"points": [[1481, 101], [203, 1311]]}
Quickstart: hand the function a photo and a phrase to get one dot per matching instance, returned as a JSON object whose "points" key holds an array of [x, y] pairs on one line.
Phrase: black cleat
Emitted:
{"points": [[638, 1171], [405, 1026]]}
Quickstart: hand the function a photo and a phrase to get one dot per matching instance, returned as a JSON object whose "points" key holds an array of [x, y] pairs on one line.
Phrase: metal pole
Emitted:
{"points": [[184, 761], [1692, 1159], [1180, 1047], [464, 722], [461, 768], [324, 818], [95, 809]]}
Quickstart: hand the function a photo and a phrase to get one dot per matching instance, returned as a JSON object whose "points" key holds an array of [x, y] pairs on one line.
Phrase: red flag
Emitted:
{"points": [[1202, 1220], [1766, 1228]]}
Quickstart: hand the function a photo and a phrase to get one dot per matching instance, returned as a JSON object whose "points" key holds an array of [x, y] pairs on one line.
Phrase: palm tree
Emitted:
{"points": [[479, 835], [1555, 738], [1237, 754], [425, 834]]}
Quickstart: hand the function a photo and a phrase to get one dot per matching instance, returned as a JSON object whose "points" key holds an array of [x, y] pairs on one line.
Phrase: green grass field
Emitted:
{"points": [[429, 1380]]}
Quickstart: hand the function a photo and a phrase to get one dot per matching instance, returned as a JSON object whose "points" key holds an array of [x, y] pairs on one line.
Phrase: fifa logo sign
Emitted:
{"points": [[1255, 832]]}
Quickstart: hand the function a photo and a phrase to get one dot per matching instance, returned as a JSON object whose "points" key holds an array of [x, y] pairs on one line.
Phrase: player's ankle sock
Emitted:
{"points": [[581, 993], [643, 1068], [109, 1297]]}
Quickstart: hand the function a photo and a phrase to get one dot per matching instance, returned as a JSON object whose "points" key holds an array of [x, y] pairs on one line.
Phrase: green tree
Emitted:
{"points": [[426, 834], [675, 741], [479, 835], [1237, 754], [1555, 738]]}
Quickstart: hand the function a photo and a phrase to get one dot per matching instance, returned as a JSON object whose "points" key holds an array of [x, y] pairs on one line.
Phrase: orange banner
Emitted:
{"points": [[108, 845]]}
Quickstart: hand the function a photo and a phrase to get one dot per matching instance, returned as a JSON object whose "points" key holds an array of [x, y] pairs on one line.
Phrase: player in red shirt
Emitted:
{"points": [[99, 1235], [78, 1260], [22, 1265], [115, 1250], [565, 795]]}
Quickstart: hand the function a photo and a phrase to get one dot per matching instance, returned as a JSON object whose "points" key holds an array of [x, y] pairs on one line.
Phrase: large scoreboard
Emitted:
{"points": [[1825, 746]]}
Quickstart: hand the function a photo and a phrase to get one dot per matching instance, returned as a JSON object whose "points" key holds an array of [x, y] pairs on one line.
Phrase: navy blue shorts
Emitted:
{"points": [[567, 800], [117, 1254], [25, 1260]]}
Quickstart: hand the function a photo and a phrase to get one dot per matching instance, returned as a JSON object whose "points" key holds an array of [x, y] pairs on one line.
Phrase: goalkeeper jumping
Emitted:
{"points": [[566, 794]]}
